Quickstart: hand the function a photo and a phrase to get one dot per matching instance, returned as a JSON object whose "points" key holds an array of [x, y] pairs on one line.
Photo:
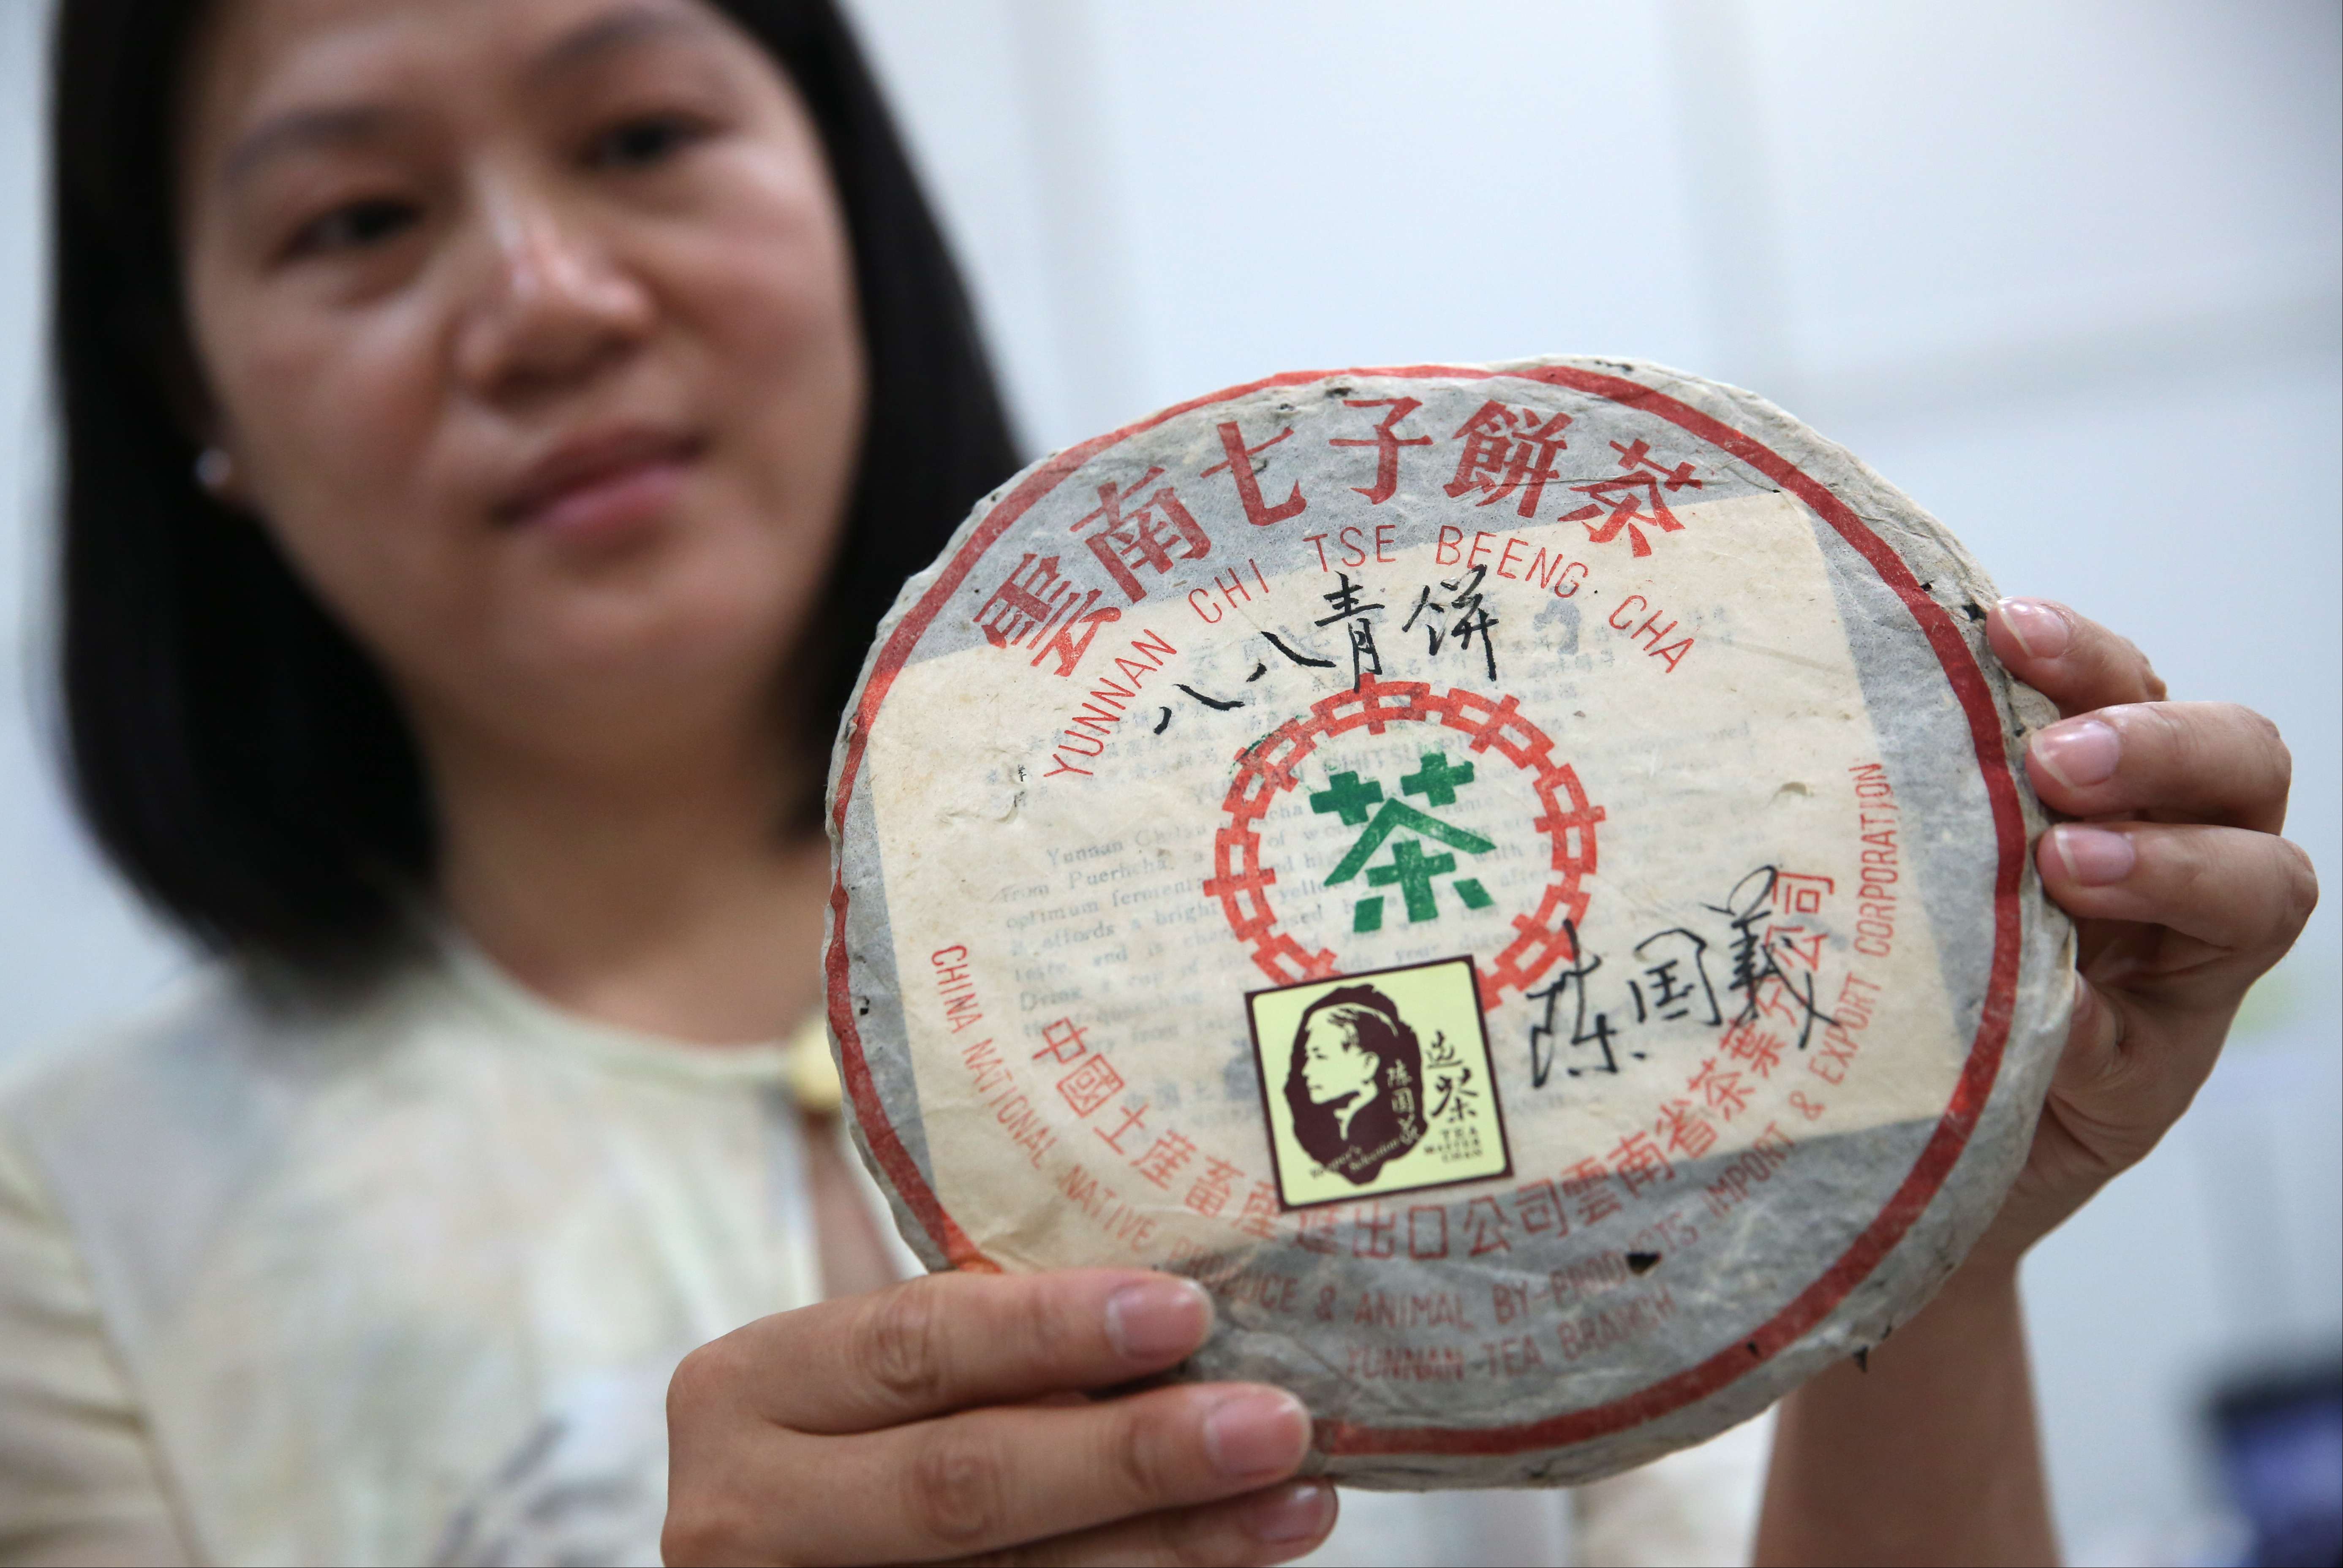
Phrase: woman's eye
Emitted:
{"points": [[354, 225], [641, 142]]}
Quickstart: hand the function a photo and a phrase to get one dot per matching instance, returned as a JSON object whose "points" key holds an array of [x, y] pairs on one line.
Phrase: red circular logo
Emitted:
{"points": [[1268, 769]]}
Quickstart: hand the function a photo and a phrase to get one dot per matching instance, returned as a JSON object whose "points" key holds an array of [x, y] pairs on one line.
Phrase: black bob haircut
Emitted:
{"points": [[236, 753]]}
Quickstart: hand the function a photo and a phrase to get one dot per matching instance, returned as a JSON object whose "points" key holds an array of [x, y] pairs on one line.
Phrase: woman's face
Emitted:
{"points": [[1337, 1071], [530, 333]]}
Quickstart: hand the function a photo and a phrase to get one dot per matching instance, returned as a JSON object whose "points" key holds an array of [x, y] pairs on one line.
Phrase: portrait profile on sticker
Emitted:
{"points": [[1378, 1083], [1396, 845]]}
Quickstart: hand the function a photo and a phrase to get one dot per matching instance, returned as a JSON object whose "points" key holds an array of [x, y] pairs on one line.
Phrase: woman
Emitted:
{"points": [[1353, 1083], [491, 431]]}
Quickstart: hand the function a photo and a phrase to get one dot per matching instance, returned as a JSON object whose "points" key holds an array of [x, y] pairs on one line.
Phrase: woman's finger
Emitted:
{"points": [[2214, 761], [986, 1479], [2243, 895], [949, 1341], [2075, 662], [1276, 1525]]}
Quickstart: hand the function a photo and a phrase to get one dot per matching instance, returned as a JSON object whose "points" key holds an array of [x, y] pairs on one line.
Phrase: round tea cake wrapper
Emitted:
{"points": [[1517, 877]]}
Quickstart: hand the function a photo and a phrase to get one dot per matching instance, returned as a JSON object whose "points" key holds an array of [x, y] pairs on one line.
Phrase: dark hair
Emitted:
{"points": [[237, 754], [1388, 1126]]}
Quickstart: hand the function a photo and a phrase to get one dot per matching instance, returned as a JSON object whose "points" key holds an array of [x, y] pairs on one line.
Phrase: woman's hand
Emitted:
{"points": [[2182, 892], [940, 1419]]}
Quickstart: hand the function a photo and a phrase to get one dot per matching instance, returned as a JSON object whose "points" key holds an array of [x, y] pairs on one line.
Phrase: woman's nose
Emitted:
{"points": [[551, 307]]}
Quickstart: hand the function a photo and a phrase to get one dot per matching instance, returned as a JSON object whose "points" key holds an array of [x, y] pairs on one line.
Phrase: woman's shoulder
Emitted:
{"points": [[220, 1031], [77, 1470], [142, 1108], [186, 1054], [62, 1082], [142, 1131]]}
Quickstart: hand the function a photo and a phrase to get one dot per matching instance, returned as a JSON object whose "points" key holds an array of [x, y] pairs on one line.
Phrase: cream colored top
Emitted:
{"points": [[403, 1280]]}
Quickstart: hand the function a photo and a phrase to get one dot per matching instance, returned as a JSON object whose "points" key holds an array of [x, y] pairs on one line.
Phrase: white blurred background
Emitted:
{"points": [[2067, 273]]}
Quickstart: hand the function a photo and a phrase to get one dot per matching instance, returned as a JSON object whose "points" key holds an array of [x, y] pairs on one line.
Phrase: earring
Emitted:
{"points": [[214, 470]]}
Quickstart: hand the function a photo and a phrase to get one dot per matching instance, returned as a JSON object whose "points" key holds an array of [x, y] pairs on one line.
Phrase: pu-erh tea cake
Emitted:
{"points": [[1516, 878]]}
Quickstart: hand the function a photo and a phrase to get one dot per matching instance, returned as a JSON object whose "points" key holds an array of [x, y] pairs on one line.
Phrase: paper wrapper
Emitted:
{"points": [[1517, 877]]}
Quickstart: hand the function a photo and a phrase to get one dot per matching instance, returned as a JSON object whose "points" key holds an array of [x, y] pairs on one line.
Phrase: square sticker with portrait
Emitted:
{"points": [[1378, 1083]]}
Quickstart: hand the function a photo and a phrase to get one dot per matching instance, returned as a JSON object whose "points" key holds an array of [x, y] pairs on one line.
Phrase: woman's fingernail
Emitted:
{"points": [[2078, 752], [2093, 856], [1295, 1513], [1257, 1434], [2041, 629], [1162, 1317]]}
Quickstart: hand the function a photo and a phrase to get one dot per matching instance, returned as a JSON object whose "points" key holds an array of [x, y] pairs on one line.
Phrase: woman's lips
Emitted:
{"points": [[603, 489]]}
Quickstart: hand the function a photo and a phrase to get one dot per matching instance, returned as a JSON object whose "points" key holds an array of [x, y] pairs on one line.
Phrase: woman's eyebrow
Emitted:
{"points": [[621, 27], [342, 125], [298, 130]]}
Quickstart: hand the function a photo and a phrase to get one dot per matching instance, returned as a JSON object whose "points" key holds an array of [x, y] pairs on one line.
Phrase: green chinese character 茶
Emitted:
{"points": [[1410, 869]]}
